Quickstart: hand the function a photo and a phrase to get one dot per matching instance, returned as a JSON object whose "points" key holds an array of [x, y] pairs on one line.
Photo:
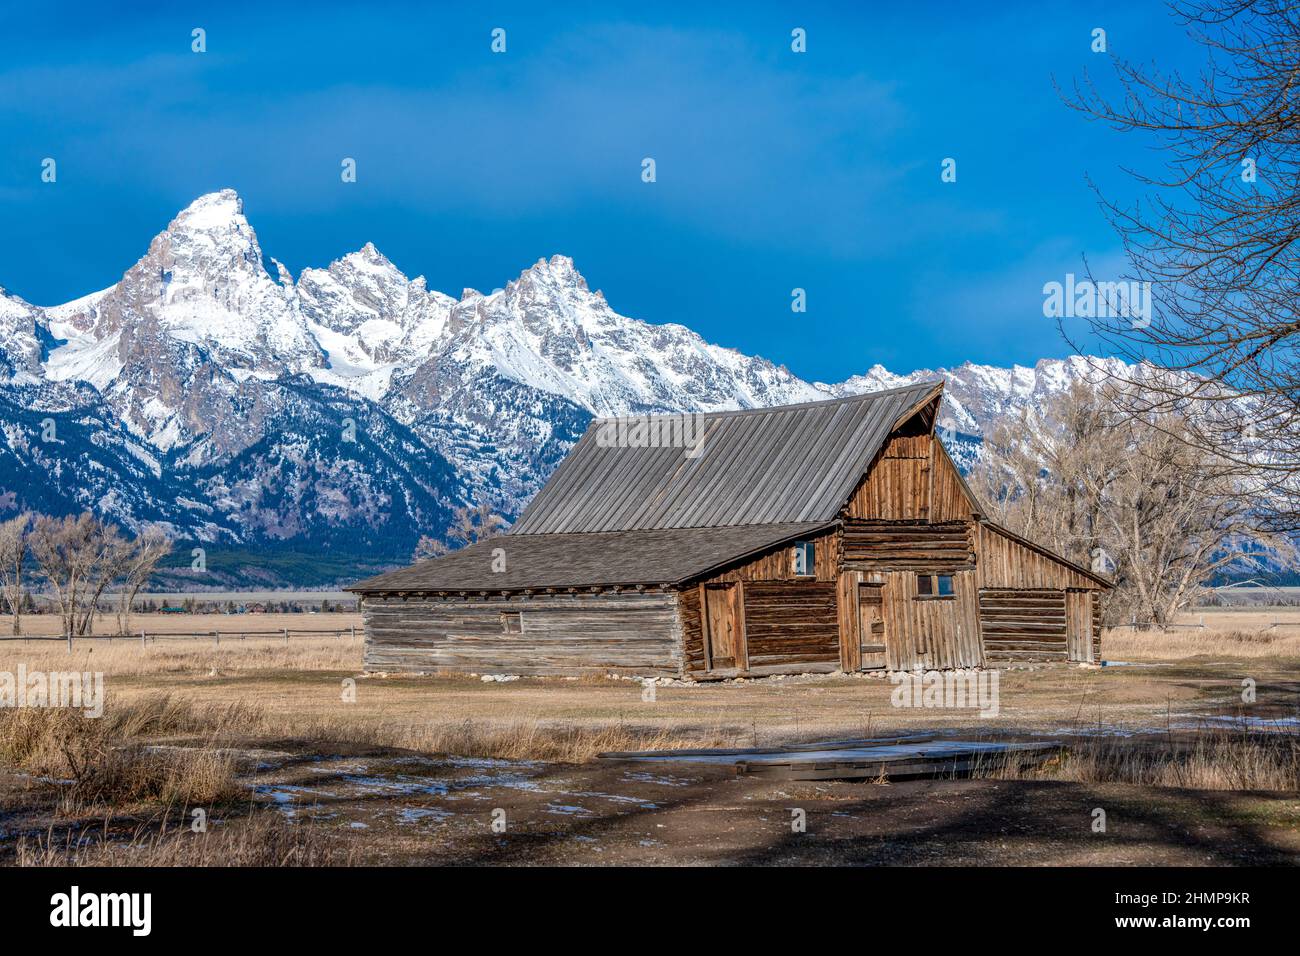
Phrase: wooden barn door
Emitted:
{"points": [[724, 626], [1078, 625], [871, 626]]}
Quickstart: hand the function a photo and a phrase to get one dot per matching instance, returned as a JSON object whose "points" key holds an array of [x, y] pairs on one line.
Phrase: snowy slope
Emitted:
{"points": [[234, 403]]}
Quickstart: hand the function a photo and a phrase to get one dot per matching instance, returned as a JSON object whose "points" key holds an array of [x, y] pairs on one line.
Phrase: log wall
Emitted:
{"points": [[1096, 626], [559, 634], [1023, 624], [791, 626], [914, 546]]}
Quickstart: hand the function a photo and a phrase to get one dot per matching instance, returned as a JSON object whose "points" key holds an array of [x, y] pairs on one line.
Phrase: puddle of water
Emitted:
{"points": [[1104, 731], [1231, 722], [616, 798], [880, 751], [411, 815], [568, 811], [287, 796], [656, 779], [353, 779]]}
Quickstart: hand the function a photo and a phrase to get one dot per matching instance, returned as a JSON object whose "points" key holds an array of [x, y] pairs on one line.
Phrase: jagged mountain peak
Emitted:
{"points": [[558, 271], [197, 364], [214, 211]]}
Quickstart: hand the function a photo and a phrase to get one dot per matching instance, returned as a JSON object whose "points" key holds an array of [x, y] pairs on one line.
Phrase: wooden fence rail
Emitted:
{"points": [[144, 637]]}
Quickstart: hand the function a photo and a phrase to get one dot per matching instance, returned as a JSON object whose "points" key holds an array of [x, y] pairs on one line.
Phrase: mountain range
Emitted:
{"points": [[307, 428]]}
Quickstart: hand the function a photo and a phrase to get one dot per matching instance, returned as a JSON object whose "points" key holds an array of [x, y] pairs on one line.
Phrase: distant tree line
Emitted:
{"points": [[78, 559]]}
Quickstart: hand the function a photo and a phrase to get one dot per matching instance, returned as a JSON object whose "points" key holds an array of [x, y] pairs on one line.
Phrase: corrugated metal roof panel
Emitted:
{"points": [[792, 463]]}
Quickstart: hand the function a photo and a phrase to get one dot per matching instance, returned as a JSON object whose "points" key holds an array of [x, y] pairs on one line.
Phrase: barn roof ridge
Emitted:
{"points": [[937, 383], [781, 463]]}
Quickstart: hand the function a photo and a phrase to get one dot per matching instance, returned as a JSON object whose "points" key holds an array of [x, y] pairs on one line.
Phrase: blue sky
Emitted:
{"points": [[775, 170]]}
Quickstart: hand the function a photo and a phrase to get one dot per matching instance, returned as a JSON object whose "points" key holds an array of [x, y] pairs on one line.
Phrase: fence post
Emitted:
{"points": [[286, 635], [142, 638], [353, 629], [216, 638], [69, 640]]}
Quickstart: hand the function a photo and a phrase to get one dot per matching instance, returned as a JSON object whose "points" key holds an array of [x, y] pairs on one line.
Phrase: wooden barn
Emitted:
{"points": [[804, 538]]}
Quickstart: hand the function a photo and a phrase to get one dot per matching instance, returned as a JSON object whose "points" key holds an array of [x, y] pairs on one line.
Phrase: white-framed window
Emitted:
{"points": [[805, 559], [512, 622]]}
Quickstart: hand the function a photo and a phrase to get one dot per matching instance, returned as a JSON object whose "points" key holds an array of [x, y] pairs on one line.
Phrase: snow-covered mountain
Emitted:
{"points": [[355, 407]]}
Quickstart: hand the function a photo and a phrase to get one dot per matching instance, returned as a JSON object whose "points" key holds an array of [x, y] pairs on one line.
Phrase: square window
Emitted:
{"points": [[924, 584], [945, 585], [805, 558], [512, 622]]}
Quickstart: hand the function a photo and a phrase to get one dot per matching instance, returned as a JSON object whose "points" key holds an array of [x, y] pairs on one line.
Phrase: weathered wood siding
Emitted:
{"points": [[897, 485], [788, 626], [1023, 624], [1006, 563], [791, 625], [916, 546], [777, 564], [560, 634], [1096, 626], [930, 632], [949, 496], [912, 479], [690, 610]]}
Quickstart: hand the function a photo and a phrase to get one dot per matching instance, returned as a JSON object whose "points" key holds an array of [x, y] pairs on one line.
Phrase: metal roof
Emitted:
{"points": [[669, 556], [761, 466]]}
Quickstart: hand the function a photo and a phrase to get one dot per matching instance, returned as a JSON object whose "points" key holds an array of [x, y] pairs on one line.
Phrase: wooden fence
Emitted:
{"points": [[1199, 625], [145, 637]]}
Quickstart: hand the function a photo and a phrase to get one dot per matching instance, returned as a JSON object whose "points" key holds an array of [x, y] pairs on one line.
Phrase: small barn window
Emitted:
{"points": [[512, 622], [805, 558], [934, 586]]}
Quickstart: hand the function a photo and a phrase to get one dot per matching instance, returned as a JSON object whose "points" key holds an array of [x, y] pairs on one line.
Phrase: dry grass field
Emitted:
{"points": [[302, 759]]}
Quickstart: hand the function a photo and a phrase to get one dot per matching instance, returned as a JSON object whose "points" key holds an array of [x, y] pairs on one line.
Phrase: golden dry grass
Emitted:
{"points": [[293, 692], [261, 839], [107, 762], [1214, 761], [1228, 633]]}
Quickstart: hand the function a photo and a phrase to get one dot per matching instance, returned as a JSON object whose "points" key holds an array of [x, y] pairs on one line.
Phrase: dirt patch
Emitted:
{"points": [[413, 809]]}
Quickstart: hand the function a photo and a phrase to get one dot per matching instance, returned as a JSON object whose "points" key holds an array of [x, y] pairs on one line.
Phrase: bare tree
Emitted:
{"points": [[148, 549], [13, 556], [468, 525], [1091, 480], [79, 557], [1045, 472], [1218, 239]]}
